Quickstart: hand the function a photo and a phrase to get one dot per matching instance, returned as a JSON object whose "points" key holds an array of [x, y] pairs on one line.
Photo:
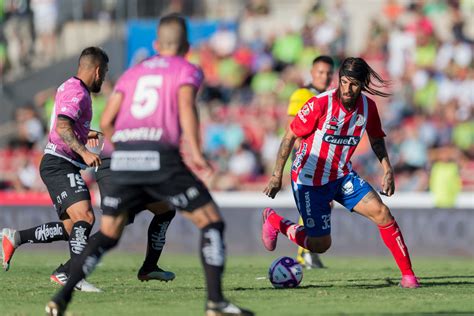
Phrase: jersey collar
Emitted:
{"points": [[313, 89], [82, 84]]}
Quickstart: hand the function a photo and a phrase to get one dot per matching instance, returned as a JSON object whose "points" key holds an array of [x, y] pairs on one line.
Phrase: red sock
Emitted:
{"points": [[296, 233], [393, 239]]}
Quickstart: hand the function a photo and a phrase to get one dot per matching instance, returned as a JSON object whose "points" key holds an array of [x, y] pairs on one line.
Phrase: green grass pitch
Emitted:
{"points": [[350, 286]]}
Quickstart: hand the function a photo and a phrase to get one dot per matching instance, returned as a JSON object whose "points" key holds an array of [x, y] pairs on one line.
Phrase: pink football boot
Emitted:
{"points": [[269, 233], [409, 282]]}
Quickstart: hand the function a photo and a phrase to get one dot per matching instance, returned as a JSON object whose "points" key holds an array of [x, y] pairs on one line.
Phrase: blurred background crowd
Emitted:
{"points": [[424, 47]]}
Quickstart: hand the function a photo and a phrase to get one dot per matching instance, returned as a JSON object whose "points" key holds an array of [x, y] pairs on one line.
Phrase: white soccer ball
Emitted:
{"points": [[285, 272]]}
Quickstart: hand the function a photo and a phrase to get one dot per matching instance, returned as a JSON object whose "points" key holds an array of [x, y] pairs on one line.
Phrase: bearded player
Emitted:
{"points": [[330, 127]]}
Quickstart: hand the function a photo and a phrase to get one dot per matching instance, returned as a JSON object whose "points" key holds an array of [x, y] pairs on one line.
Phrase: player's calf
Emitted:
{"points": [[319, 244], [45, 233]]}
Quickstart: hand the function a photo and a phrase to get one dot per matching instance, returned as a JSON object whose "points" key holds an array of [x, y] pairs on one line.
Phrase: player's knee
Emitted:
{"points": [[86, 215], [382, 215], [319, 244], [205, 215]]}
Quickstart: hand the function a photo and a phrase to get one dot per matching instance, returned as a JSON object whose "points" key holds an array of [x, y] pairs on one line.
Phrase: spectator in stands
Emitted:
{"points": [[30, 130], [19, 39], [45, 20]]}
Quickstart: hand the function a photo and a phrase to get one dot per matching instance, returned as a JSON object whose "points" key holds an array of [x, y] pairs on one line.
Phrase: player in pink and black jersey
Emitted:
{"points": [[152, 106]]}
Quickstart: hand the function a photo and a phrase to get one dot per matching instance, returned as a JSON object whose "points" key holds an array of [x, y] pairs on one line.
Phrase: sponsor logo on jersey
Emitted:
{"points": [[341, 140], [156, 63], [137, 134], [140, 160], [302, 118], [299, 157], [307, 108]]}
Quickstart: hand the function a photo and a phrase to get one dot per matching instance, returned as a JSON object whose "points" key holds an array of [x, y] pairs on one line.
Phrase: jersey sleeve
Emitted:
{"points": [[297, 100], [69, 104], [307, 118], [191, 75], [374, 125]]}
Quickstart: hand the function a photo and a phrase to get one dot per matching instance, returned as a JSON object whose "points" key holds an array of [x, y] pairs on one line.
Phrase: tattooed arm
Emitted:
{"points": [[388, 181], [286, 146], [66, 132]]}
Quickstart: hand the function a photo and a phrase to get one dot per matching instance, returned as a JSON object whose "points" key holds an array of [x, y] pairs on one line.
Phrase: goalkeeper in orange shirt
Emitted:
{"points": [[321, 74]]}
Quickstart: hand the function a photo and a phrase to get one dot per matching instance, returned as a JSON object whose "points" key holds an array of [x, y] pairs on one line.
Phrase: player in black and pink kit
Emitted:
{"points": [[64, 156], [70, 148], [153, 104], [163, 215]]}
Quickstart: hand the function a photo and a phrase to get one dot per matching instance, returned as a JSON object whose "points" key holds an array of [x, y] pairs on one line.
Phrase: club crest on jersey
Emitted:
{"points": [[341, 140], [360, 120]]}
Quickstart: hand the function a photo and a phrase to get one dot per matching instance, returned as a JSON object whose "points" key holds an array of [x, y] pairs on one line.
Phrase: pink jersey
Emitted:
{"points": [[330, 136], [74, 101], [149, 110]]}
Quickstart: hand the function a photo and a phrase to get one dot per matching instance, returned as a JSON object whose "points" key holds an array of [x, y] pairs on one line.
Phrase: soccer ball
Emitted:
{"points": [[285, 272]]}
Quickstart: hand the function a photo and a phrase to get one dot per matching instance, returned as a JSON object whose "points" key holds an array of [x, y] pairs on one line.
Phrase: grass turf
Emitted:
{"points": [[350, 286]]}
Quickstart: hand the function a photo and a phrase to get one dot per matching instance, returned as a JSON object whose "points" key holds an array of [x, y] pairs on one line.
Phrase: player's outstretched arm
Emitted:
{"points": [[65, 130], [388, 181], [286, 146]]}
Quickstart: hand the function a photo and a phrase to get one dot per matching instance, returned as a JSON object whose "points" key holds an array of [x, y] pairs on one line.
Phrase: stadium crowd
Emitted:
{"points": [[423, 47]]}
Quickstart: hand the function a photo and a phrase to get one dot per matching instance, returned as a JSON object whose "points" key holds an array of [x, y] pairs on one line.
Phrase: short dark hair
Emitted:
{"points": [[96, 54], [324, 59], [358, 69], [174, 18]]}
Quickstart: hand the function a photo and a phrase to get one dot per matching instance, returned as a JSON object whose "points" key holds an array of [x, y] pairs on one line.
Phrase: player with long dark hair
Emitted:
{"points": [[330, 126]]}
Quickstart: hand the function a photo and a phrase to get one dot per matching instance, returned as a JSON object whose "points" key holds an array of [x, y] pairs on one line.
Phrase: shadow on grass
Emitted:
{"points": [[418, 313], [421, 278], [302, 287]]}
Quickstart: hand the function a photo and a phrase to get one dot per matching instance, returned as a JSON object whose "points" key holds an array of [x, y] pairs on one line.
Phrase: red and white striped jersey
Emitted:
{"points": [[330, 135]]}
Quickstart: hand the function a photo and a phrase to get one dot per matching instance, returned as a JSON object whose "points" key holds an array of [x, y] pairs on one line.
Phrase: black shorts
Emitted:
{"points": [[183, 191], [103, 177], [64, 183]]}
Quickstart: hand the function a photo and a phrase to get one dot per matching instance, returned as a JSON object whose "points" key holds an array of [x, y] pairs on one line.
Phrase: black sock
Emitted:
{"points": [[213, 259], [156, 240], [64, 268], [78, 238], [85, 264], [44, 233]]}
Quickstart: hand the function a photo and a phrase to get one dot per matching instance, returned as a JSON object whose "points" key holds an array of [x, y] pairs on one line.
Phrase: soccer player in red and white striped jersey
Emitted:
{"points": [[330, 126]]}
